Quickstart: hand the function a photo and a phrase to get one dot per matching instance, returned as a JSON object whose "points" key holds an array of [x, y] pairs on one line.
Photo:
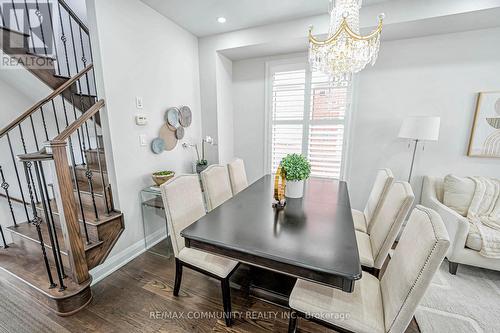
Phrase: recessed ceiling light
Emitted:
{"points": [[221, 19]]}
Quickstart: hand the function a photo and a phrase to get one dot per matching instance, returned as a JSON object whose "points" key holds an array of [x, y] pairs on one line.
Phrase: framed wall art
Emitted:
{"points": [[485, 134]]}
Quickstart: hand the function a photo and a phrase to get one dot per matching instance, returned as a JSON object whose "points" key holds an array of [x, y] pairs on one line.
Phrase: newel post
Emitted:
{"points": [[68, 214]]}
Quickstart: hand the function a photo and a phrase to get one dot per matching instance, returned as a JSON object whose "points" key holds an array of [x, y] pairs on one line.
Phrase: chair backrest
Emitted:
{"points": [[184, 205], [389, 219], [380, 187], [216, 184], [237, 175], [417, 257]]}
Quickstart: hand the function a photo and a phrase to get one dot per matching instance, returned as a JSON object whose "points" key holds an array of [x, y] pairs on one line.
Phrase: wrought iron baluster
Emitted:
{"points": [[15, 15], [40, 20], [84, 60], [5, 186], [1, 16], [89, 175], [64, 39], [54, 37], [30, 179], [56, 250], [73, 43], [5, 246], [27, 168], [34, 133], [77, 185], [29, 26], [37, 221], [44, 124], [78, 130], [17, 176], [55, 116], [88, 135], [104, 188]]}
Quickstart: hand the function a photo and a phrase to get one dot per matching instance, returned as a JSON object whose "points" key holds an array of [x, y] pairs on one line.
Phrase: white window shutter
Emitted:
{"points": [[319, 134]]}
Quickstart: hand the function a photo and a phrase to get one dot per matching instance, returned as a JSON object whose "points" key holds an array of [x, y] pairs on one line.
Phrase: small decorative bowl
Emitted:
{"points": [[160, 178]]}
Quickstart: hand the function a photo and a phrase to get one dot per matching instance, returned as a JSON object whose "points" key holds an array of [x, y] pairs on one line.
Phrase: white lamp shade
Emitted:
{"points": [[420, 128]]}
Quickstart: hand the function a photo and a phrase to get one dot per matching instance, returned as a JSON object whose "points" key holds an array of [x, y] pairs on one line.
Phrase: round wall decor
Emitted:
{"points": [[179, 133], [172, 117], [158, 145], [169, 137], [186, 116]]}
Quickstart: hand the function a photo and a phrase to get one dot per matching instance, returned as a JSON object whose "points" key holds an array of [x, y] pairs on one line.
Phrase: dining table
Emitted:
{"points": [[311, 238]]}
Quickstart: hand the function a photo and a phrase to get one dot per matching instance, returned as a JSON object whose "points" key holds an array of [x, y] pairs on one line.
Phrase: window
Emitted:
{"points": [[307, 117]]}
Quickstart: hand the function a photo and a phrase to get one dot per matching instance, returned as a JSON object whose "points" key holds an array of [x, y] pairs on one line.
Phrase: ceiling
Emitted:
{"points": [[200, 16]]}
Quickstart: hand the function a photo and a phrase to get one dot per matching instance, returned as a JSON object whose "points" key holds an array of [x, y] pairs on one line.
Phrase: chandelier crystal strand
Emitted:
{"points": [[345, 51]]}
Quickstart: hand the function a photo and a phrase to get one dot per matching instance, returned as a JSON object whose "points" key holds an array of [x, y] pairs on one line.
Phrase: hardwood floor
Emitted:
{"points": [[139, 298]]}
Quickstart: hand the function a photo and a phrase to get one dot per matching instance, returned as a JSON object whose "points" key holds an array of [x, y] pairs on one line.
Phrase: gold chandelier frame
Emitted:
{"points": [[344, 27]]}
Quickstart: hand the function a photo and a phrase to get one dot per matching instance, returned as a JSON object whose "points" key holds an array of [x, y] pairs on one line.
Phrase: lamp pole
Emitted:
{"points": [[413, 160]]}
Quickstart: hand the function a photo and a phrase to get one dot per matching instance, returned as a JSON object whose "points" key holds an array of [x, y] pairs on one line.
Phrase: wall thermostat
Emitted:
{"points": [[141, 120]]}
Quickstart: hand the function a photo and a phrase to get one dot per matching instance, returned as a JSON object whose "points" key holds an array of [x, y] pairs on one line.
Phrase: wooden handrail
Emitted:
{"points": [[41, 103], [79, 122], [74, 16]]}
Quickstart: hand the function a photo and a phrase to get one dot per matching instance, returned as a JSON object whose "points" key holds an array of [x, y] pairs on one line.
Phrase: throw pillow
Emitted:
{"points": [[458, 193]]}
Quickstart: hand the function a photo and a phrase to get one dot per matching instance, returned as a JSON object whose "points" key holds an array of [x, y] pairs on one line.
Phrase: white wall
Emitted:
{"points": [[438, 75], [141, 53], [225, 117]]}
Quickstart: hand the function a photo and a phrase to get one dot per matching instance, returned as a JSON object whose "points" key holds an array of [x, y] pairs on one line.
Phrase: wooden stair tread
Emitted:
{"points": [[89, 217], [41, 56], [96, 185], [94, 151], [28, 231], [93, 167], [14, 31], [30, 268]]}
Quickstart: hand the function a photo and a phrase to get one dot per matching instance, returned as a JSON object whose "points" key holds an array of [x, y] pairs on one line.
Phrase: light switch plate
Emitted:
{"points": [[142, 140], [138, 102], [141, 120]]}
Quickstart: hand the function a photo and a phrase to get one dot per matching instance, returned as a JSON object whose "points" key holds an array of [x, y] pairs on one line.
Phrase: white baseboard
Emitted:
{"points": [[119, 260]]}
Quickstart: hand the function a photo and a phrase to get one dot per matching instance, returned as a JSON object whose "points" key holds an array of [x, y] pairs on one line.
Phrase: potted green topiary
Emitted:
{"points": [[297, 169]]}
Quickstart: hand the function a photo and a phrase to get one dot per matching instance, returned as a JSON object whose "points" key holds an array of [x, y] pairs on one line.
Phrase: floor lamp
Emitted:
{"points": [[419, 129]]}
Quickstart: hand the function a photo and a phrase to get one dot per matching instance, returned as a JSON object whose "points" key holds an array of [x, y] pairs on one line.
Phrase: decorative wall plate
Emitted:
{"points": [[169, 137], [158, 145], [186, 116], [172, 117], [179, 133]]}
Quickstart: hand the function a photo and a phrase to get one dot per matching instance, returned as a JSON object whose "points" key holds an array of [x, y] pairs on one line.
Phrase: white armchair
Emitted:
{"points": [[459, 229]]}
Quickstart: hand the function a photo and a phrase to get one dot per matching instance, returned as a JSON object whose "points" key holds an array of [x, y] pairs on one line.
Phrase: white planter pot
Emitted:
{"points": [[294, 189]]}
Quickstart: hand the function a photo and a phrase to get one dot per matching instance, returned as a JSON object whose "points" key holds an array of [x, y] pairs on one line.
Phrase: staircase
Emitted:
{"points": [[60, 220]]}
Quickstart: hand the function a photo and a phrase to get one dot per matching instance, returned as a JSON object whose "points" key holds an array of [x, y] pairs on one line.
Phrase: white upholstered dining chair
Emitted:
{"points": [[363, 219], [183, 203], [216, 184], [386, 305], [374, 248], [237, 175]]}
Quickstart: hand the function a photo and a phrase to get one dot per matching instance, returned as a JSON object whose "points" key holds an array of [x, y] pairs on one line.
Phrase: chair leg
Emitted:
{"points": [[226, 301], [178, 276], [292, 324], [453, 268]]}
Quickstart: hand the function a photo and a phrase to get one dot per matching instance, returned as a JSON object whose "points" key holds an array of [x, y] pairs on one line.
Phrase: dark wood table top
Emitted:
{"points": [[312, 238]]}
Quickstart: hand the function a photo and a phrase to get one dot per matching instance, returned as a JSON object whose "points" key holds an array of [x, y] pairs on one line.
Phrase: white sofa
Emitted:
{"points": [[464, 236]]}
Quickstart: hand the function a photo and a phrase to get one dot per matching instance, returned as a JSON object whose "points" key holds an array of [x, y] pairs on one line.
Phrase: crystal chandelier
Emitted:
{"points": [[345, 51]]}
